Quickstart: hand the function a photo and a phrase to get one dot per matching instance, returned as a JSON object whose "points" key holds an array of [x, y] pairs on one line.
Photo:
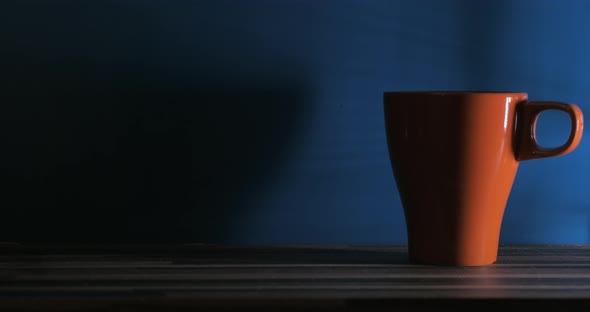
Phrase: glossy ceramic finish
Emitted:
{"points": [[454, 157]]}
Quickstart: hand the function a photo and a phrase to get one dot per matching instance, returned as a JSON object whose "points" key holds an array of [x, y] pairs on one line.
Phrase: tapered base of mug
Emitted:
{"points": [[461, 251], [451, 262]]}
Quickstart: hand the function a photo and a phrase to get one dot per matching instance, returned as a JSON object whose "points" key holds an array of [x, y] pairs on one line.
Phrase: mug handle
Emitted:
{"points": [[526, 119]]}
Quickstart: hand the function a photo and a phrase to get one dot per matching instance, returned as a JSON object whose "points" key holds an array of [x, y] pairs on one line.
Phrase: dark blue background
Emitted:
{"points": [[261, 121]]}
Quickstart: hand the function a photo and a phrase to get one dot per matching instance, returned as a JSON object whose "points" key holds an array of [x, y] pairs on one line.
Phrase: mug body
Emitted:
{"points": [[454, 163]]}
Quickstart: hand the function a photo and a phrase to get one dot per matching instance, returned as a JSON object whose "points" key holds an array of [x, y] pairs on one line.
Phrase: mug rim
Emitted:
{"points": [[452, 92]]}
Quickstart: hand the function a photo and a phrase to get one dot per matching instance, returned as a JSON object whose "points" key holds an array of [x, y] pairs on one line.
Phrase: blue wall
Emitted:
{"points": [[261, 121]]}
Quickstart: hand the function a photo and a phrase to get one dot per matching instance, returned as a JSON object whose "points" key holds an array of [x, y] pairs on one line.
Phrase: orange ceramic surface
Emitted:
{"points": [[454, 157]]}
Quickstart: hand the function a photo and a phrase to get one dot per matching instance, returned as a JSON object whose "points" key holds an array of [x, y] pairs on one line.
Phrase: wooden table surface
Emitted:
{"points": [[164, 277]]}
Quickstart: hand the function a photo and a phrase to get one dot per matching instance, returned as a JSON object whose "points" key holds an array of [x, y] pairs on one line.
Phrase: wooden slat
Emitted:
{"points": [[198, 273]]}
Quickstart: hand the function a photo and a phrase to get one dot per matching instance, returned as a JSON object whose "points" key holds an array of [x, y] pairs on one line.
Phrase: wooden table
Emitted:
{"points": [[204, 277]]}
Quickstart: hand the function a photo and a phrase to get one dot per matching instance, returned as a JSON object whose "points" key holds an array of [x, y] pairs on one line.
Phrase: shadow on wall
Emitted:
{"points": [[114, 146]]}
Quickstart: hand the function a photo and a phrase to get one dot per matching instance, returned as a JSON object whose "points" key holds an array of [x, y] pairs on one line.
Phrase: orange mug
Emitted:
{"points": [[454, 157]]}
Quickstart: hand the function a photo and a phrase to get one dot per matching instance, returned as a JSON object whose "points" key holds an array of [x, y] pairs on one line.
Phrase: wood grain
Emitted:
{"points": [[90, 275]]}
